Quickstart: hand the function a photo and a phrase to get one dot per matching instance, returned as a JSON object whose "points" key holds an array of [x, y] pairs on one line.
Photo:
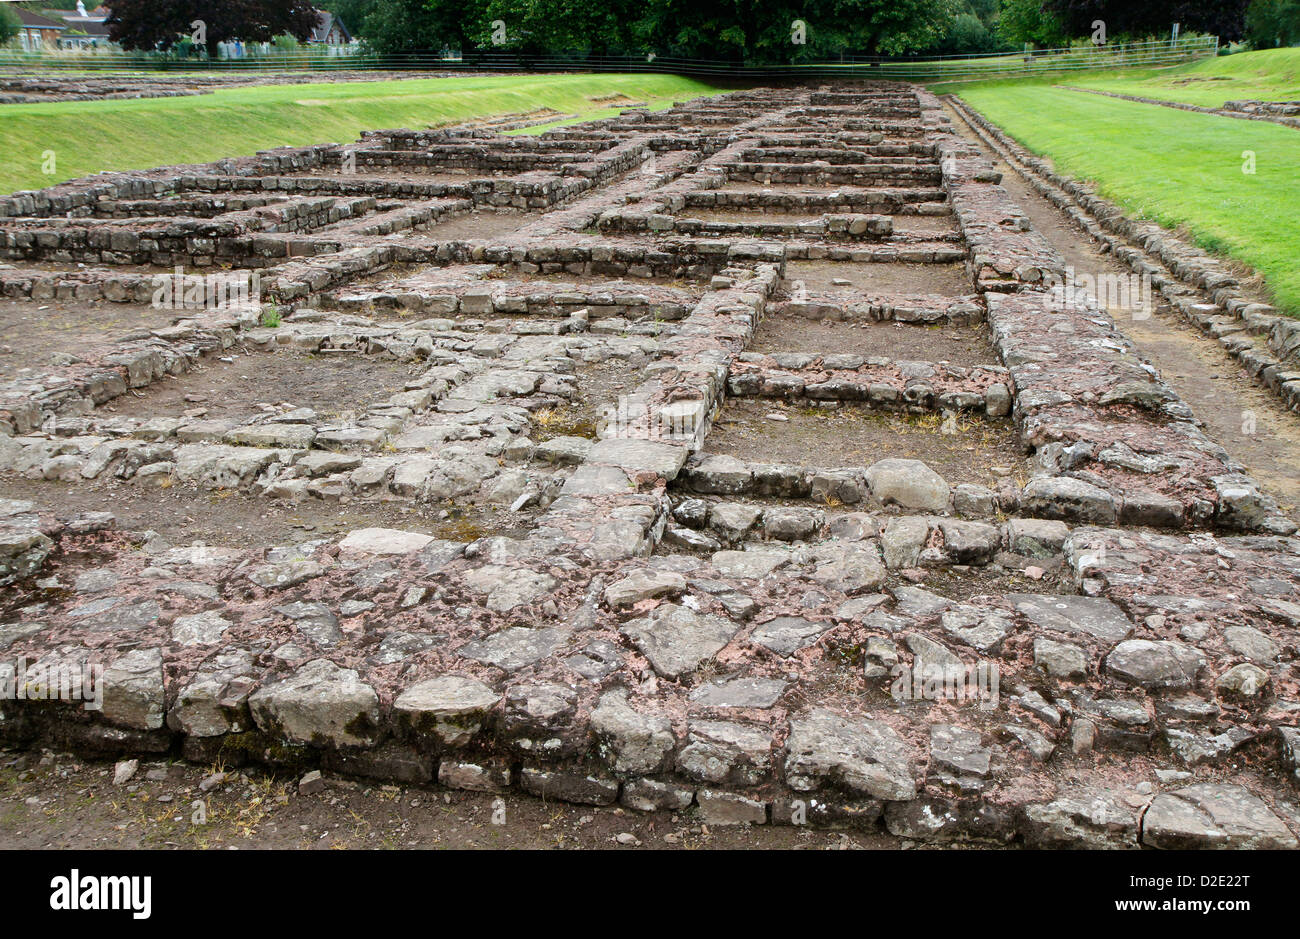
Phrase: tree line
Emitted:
{"points": [[755, 32], [760, 32]]}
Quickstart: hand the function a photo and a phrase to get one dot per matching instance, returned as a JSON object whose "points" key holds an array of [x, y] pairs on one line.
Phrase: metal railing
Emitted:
{"points": [[906, 68]]}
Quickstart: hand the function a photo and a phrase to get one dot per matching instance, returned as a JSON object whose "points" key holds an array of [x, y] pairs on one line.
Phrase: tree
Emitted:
{"points": [[971, 30], [1223, 18], [1272, 23], [967, 34], [753, 31], [160, 24], [351, 12], [9, 24], [407, 26], [1026, 21], [886, 27], [765, 31], [536, 26], [986, 10]]}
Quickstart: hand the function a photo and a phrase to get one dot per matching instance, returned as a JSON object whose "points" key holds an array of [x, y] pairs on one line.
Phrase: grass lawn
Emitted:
{"points": [[1178, 168], [1270, 75], [90, 136]]}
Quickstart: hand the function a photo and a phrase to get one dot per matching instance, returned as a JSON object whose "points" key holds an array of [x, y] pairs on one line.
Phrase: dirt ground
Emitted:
{"points": [[239, 388], [882, 279], [474, 225], [960, 345], [856, 436], [57, 801], [1212, 383], [182, 515], [928, 225], [31, 332], [600, 386]]}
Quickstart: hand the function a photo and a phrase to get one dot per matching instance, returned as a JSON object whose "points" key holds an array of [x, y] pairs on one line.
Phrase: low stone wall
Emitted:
{"points": [[175, 241], [1195, 283], [891, 485], [931, 310], [477, 298], [1279, 113], [907, 542], [1112, 442], [870, 201], [838, 227], [914, 387], [778, 151], [856, 174]]}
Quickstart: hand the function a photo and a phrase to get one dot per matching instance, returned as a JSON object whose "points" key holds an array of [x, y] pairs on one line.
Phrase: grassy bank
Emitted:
{"points": [[89, 136], [1270, 75], [1179, 168]]}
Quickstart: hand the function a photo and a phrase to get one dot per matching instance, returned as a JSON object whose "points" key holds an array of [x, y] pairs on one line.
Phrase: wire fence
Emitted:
{"points": [[907, 68]]}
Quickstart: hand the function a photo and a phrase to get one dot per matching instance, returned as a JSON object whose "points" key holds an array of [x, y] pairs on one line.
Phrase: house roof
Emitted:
{"points": [[35, 20], [88, 27], [74, 18], [324, 22]]}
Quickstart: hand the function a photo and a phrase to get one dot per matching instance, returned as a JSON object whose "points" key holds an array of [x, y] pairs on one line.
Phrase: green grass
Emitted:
{"points": [[1178, 168], [1269, 75], [91, 136]]}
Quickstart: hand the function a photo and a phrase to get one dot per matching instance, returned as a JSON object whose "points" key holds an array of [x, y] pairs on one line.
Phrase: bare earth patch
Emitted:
{"points": [[852, 436]]}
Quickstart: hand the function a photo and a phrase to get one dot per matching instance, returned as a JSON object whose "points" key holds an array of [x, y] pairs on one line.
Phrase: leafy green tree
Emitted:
{"points": [[705, 29], [971, 29], [351, 12], [8, 24], [601, 27], [889, 27], [967, 33], [1152, 18], [764, 31], [1026, 21], [402, 26], [1272, 23], [406, 26], [754, 31], [986, 10]]}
